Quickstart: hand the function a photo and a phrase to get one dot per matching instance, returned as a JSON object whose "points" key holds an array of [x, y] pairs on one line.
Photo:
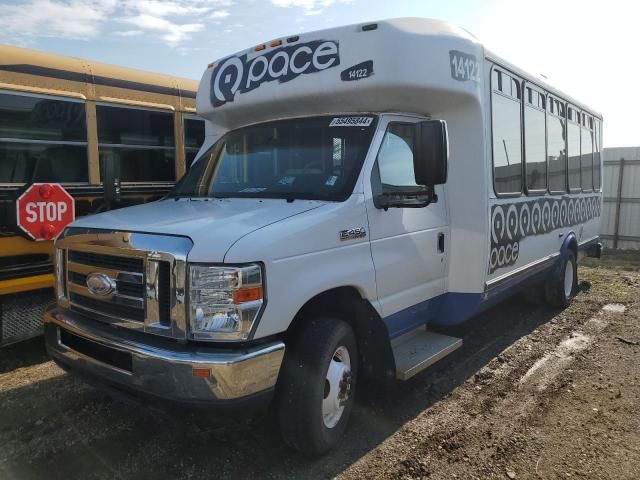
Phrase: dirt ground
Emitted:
{"points": [[533, 393]]}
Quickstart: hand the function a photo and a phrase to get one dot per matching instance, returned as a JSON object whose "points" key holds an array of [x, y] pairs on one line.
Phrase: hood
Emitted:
{"points": [[213, 225]]}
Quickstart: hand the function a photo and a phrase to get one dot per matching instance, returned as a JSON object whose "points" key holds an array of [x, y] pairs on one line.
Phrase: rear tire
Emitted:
{"points": [[317, 385], [561, 290]]}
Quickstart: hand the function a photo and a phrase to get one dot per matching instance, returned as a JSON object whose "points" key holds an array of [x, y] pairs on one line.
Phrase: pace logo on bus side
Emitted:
{"points": [[241, 74], [513, 222]]}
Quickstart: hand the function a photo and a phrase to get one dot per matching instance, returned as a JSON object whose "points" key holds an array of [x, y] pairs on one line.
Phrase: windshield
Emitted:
{"points": [[309, 158]]}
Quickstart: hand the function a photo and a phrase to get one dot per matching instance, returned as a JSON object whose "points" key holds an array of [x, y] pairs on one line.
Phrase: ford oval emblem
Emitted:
{"points": [[100, 284]]}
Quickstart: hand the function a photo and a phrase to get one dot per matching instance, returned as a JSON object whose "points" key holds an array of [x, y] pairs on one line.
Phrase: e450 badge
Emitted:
{"points": [[353, 233]]}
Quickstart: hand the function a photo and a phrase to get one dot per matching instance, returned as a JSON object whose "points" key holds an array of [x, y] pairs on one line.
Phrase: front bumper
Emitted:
{"points": [[158, 367]]}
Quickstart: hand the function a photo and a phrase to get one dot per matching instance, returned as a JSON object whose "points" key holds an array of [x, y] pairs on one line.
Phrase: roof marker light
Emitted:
{"points": [[211, 65], [260, 47], [275, 43], [293, 39], [369, 27]]}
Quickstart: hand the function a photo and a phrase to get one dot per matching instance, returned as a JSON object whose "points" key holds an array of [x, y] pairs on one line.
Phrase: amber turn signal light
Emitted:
{"points": [[199, 372], [244, 295]]}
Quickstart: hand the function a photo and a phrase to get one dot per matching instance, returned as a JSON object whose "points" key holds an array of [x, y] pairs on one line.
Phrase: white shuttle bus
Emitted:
{"points": [[357, 187]]}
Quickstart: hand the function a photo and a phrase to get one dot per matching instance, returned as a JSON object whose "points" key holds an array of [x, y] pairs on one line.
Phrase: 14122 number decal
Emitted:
{"points": [[357, 72], [464, 66]]}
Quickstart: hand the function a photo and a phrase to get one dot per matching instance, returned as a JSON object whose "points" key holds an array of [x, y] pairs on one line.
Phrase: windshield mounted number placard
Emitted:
{"points": [[351, 122], [464, 66]]}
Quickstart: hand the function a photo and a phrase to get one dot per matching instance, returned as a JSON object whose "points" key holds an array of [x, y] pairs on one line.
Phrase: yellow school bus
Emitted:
{"points": [[112, 136]]}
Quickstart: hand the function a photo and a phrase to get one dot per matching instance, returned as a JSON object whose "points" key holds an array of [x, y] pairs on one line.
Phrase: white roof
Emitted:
{"points": [[398, 65]]}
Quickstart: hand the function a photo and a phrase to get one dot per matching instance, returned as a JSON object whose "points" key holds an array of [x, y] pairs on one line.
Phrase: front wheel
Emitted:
{"points": [[317, 385], [563, 287]]}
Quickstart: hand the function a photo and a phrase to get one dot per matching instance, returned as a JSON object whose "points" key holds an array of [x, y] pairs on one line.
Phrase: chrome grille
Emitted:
{"points": [[144, 275], [125, 302]]}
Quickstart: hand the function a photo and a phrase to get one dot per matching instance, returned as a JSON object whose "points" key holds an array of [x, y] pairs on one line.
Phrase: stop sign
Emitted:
{"points": [[44, 209]]}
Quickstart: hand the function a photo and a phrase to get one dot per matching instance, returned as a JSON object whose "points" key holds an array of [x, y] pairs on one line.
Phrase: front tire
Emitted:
{"points": [[317, 385], [562, 289]]}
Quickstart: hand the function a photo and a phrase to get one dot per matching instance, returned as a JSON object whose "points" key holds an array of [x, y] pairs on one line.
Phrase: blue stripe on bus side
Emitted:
{"points": [[453, 308]]}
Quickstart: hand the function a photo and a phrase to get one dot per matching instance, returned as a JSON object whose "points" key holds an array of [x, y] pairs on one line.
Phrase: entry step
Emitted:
{"points": [[419, 349]]}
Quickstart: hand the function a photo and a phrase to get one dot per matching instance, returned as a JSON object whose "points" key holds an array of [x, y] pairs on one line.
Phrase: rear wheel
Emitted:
{"points": [[317, 385], [563, 287]]}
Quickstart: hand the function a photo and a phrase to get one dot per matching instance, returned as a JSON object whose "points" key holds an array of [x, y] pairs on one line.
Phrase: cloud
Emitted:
{"points": [[218, 14], [163, 8], [172, 21], [77, 19], [311, 5], [129, 33], [172, 33]]}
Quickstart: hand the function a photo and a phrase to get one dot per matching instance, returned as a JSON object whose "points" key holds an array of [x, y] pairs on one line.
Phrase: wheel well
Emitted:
{"points": [[372, 337]]}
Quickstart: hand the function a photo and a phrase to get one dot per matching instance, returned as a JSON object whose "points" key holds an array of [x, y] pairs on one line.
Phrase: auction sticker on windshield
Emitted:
{"points": [[351, 122]]}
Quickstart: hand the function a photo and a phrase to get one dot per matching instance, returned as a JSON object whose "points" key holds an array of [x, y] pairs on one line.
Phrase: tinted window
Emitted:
{"points": [[141, 142], [43, 140], [507, 141], [193, 139], [36, 118], [573, 146], [193, 133], [135, 165], [395, 158], [189, 157], [535, 149], [556, 153], [586, 159], [131, 126], [37, 162]]}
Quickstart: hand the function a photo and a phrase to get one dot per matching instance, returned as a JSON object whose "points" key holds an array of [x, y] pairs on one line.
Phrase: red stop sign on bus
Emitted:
{"points": [[44, 209]]}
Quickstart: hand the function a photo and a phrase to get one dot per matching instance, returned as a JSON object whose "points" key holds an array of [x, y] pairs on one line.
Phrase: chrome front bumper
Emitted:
{"points": [[159, 367]]}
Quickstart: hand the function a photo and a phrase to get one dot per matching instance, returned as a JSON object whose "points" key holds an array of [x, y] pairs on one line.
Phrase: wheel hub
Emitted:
{"points": [[337, 387]]}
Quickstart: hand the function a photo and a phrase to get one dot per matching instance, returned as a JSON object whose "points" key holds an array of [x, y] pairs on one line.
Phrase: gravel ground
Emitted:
{"points": [[533, 393]]}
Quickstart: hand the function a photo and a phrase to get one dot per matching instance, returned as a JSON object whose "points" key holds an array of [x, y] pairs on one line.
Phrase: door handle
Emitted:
{"points": [[441, 242]]}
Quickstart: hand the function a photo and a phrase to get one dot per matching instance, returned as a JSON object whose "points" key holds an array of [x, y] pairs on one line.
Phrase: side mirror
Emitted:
{"points": [[432, 153]]}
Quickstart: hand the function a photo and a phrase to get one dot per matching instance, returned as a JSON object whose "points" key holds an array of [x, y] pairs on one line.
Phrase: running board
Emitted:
{"points": [[419, 349]]}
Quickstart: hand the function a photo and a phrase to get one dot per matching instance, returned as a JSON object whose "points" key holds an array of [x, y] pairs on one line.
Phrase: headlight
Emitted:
{"points": [[224, 302]]}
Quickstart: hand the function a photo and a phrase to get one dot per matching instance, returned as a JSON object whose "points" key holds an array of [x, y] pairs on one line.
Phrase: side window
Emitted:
{"points": [[395, 158], [573, 150], [141, 142], [506, 122], [596, 156], [42, 139], [556, 147], [535, 153], [193, 139], [586, 158]]}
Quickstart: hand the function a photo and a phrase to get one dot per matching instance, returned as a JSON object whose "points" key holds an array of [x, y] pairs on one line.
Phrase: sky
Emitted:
{"points": [[589, 49]]}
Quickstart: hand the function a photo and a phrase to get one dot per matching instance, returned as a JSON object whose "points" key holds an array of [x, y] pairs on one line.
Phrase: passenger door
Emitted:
{"points": [[409, 246]]}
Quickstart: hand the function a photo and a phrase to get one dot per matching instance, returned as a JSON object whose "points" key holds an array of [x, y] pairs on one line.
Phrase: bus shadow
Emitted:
{"points": [[23, 354], [78, 431]]}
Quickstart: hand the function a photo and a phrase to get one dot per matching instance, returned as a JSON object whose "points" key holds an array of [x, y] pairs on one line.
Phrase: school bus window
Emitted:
{"points": [[556, 150], [586, 159], [193, 139], [140, 142], [507, 139], [535, 145], [42, 139], [573, 149]]}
